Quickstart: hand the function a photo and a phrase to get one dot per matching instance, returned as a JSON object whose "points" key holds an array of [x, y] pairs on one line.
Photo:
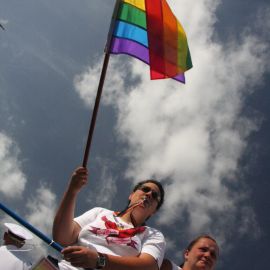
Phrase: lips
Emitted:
{"points": [[146, 202], [205, 262]]}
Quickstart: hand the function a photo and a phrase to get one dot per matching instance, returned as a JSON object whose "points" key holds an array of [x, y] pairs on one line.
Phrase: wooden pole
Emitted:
{"points": [[95, 111], [100, 85]]}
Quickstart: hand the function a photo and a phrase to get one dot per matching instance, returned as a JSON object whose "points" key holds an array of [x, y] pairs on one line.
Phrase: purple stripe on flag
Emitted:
{"points": [[131, 48], [180, 77], [136, 50]]}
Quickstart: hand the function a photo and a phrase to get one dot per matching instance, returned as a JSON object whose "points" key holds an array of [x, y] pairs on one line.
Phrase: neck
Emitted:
{"points": [[132, 219]]}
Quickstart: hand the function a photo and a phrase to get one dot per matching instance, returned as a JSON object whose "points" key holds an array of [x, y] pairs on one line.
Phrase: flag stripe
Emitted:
{"points": [[131, 48], [136, 3], [170, 39], [155, 37], [132, 15], [134, 49], [132, 32], [182, 48]]}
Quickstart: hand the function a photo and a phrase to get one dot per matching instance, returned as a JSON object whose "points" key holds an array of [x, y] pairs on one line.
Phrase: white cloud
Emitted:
{"points": [[12, 179], [42, 204], [86, 84], [3, 21], [193, 134], [105, 190], [41, 209]]}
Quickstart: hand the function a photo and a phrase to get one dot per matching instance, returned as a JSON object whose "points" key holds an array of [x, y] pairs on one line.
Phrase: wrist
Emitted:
{"points": [[101, 261], [72, 192]]}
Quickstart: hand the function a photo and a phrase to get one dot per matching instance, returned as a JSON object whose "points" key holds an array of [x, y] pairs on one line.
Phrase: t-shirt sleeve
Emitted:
{"points": [[88, 216], [154, 244]]}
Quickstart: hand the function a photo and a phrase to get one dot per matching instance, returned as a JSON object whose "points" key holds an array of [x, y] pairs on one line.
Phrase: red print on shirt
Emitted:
{"points": [[117, 236]]}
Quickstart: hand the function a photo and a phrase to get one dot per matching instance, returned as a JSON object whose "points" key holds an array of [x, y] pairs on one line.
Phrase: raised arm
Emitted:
{"points": [[65, 229]]}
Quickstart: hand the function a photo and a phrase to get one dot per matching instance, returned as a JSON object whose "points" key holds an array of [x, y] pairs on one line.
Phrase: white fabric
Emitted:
{"points": [[95, 235], [12, 258], [19, 230]]}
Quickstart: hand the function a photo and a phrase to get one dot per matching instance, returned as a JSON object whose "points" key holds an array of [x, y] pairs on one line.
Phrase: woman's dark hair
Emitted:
{"points": [[158, 184]]}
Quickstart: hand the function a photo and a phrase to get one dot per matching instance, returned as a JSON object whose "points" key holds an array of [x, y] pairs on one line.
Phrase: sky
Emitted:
{"points": [[207, 140]]}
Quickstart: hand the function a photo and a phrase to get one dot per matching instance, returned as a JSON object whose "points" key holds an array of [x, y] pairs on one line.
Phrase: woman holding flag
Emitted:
{"points": [[101, 238]]}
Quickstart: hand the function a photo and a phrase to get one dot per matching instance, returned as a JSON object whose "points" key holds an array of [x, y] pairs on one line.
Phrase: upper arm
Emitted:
{"points": [[149, 261], [76, 230], [154, 245]]}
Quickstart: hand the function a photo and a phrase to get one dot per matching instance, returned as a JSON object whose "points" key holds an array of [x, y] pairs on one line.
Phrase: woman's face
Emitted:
{"points": [[150, 194], [202, 256]]}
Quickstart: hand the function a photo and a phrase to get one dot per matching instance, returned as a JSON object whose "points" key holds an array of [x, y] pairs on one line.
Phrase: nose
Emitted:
{"points": [[207, 255], [150, 192]]}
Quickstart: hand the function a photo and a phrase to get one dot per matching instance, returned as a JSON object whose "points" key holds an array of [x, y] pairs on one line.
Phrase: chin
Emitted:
{"points": [[203, 266]]}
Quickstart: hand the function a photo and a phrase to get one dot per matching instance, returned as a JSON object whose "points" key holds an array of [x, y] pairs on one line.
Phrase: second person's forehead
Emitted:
{"points": [[208, 243]]}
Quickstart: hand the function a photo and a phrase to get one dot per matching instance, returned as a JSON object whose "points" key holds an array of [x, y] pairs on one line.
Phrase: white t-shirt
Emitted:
{"points": [[99, 232], [13, 258]]}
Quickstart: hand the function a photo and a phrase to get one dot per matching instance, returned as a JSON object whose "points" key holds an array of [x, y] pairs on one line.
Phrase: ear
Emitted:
{"points": [[186, 253], [130, 196]]}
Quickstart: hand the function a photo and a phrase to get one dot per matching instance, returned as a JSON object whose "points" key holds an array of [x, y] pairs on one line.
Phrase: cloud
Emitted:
{"points": [[3, 21], [105, 189], [12, 179], [191, 135], [42, 204], [86, 83], [41, 208]]}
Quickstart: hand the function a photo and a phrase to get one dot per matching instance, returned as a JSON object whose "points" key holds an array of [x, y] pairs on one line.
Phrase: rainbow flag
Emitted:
{"points": [[149, 31]]}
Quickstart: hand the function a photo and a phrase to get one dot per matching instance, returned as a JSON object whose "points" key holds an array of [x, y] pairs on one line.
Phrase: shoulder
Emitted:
{"points": [[97, 211], [152, 232]]}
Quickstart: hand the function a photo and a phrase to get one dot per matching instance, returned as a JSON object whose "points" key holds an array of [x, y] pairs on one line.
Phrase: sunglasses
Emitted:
{"points": [[155, 194]]}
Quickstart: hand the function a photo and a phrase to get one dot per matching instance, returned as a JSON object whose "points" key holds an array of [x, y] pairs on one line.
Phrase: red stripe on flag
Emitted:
{"points": [[170, 40], [162, 39], [154, 20]]}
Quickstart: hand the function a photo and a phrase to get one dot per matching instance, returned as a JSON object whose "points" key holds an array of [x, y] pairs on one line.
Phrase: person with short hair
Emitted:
{"points": [[201, 254], [12, 254], [109, 240]]}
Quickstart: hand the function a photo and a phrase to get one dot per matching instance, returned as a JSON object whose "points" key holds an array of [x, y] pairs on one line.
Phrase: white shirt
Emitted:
{"points": [[96, 235], [13, 258]]}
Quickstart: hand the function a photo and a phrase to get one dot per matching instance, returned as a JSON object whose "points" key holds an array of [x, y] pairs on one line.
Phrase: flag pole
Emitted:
{"points": [[35, 231], [100, 85]]}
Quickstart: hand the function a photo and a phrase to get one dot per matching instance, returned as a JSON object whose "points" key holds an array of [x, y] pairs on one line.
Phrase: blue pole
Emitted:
{"points": [[39, 234]]}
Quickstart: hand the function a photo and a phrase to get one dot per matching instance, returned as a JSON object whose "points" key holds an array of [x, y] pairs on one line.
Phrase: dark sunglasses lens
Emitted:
{"points": [[146, 189]]}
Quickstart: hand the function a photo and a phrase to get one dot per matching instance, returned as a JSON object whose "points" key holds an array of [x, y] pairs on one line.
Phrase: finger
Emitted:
{"points": [[81, 170], [76, 254], [71, 249]]}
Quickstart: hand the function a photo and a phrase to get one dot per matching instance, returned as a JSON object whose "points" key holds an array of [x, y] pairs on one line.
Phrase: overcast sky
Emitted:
{"points": [[207, 140]]}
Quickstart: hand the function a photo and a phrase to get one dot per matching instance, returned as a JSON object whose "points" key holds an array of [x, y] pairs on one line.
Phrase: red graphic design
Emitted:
{"points": [[117, 236]]}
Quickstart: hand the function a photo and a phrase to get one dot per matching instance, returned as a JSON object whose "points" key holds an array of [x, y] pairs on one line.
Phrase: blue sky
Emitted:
{"points": [[207, 141]]}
